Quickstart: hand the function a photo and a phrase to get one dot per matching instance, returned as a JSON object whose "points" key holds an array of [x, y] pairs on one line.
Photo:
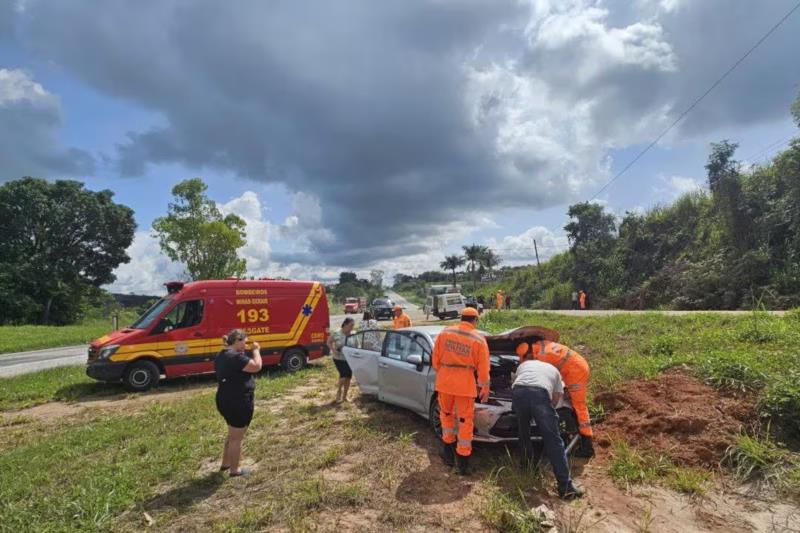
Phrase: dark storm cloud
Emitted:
{"points": [[404, 116], [30, 119]]}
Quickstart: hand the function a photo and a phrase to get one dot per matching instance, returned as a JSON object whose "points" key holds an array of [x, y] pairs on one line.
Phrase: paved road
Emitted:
{"points": [[13, 364], [413, 311]]}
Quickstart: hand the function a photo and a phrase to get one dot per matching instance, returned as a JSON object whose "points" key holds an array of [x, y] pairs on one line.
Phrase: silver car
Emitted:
{"points": [[396, 367]]}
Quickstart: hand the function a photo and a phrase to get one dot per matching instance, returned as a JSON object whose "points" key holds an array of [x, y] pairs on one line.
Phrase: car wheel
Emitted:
{"points": [[141, 376], [433, 415], [294, 360]]}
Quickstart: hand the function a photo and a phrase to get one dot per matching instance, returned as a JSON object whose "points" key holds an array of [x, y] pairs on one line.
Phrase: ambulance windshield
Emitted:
{"points": [[151, 314]]}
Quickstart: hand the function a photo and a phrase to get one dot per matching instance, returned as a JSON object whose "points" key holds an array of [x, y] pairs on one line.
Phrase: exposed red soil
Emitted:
{"points": [[676, 415]]}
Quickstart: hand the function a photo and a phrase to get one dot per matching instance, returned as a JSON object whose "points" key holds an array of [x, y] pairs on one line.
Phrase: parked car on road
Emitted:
{"points": [[382, 309], [396, 367]]}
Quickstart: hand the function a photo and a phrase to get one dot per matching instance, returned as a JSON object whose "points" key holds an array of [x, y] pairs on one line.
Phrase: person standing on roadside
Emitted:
{"points": [[401, 320], [582, 298], [372, 340], [459, 354], [536, 391], [574, 300], [335, 344], [508, 302], [235, 395], [499, 300]]}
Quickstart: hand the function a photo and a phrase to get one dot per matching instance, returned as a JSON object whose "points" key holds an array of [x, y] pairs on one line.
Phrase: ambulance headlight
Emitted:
{"points": [[107, 351]]}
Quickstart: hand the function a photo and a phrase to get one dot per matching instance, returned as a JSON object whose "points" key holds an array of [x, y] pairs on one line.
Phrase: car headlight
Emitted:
{"points": [[107, 351]]}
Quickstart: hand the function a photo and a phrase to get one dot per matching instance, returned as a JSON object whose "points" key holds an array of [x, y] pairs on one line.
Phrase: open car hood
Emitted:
{"points": [[507, 341]]}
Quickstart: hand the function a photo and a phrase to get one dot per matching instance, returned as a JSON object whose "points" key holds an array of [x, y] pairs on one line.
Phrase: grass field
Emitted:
{"points": [[129, 461], [22, 338]]}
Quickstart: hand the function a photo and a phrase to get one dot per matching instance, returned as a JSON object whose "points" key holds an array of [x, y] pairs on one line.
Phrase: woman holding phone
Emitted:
{"points": [[235, 395]]}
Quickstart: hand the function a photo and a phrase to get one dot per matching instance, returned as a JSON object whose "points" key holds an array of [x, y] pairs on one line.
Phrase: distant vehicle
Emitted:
{"points": [[471, 301], [396, 367], [442, 289], [444, 306], [181, 334], [382, 309], [351, 305]]}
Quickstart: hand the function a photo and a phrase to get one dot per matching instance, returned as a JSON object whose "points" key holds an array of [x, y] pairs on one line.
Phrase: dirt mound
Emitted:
{"points": [[674, 414]]}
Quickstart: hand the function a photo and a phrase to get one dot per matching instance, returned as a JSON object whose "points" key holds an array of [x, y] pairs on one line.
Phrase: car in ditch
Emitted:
{"points": [[396, 367]]}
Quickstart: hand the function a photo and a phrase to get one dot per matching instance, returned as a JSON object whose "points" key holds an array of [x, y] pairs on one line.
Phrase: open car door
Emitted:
{"points": [[362, 351], [403, 371]]}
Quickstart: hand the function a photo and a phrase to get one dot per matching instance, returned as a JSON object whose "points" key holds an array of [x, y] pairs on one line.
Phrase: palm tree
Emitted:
{"points": [[473, 254], [489, 259], [452, 262]]}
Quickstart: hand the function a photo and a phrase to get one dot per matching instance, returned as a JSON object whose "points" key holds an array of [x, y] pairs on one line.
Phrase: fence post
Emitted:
{"points": [[115, 321]]}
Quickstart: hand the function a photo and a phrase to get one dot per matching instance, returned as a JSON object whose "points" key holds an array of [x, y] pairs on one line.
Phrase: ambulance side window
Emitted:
{"points": [[184, 315]]}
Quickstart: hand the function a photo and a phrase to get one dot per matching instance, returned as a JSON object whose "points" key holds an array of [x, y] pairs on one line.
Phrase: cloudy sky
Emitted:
{"points": [[362, 134]]}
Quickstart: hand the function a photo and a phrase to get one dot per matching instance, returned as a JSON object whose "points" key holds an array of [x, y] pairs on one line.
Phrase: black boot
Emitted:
{"points": [[585, 448], [448, 453], [462, 465]]}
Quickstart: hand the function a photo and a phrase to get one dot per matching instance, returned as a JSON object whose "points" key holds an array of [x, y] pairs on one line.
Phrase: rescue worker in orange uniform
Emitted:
{"points": [[460, 352], [575, 372], [500, 300], [401, 320], [582, 298]]}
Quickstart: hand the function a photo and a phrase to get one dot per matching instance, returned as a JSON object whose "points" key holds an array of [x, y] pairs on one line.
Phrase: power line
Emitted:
{"points": [[697, 101], [779, 143]]}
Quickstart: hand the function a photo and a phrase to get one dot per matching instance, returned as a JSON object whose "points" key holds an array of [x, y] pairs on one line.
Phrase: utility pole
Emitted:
{"points": [[536, 250]]}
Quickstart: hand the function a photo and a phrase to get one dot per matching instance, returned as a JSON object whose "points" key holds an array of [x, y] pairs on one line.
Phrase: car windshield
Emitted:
{"points": [[381, 302], [144, 321]]}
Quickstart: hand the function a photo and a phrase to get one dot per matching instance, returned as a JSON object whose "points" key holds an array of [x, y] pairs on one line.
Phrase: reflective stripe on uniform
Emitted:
{"points": [[455, 365], [542, 350], [472, 336], [564, 360], [483, 384], [575, 386], [585, 425], [448, 430], [467, 443]]}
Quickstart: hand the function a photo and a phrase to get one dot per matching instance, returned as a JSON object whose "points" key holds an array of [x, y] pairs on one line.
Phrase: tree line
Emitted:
{"points": [[732, 245], [60, 243]]}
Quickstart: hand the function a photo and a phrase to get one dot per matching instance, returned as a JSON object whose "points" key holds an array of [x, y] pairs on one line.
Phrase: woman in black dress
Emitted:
{"points": [[235, 395]]}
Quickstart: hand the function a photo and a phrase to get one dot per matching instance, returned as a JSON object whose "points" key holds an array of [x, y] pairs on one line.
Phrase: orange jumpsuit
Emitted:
{"points": [[574, 371], [458, 354], [499, 300], [402, 321], [583, 300]]}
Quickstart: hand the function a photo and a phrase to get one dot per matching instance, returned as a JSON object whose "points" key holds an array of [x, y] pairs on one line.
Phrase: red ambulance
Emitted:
{"points": [[182, 333]]}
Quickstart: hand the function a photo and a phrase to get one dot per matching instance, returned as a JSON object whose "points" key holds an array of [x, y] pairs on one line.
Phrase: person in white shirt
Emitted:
{"points": [[536, 390]]}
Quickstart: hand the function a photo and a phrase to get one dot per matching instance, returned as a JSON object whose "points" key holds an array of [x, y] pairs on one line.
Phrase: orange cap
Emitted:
{"points": [[470, 311], [398, 308], [522, 349]]}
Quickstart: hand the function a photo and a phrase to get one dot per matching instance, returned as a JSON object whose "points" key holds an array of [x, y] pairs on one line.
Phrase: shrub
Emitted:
{"points": [[781, 401]]}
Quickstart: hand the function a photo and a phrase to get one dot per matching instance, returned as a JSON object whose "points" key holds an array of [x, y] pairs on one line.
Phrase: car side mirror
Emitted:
{"points": [[415, 359]]}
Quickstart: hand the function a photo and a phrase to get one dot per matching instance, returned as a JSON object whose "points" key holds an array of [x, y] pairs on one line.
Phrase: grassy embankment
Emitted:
{"points": [[105, 468], [23, 338]]}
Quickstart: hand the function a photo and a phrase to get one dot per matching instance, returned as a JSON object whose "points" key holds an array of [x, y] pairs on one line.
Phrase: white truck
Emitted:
{"points": [[444, 306]]}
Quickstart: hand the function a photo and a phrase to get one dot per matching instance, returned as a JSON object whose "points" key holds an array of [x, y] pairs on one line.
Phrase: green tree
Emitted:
{"points": [[376, 279], [473, 254], [490, 260], [58, 243], [196, 233], [451, 263], [347, 277], [591, 233]]}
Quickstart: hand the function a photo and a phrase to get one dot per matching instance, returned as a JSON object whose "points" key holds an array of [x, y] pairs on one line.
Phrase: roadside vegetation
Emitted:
{"points": [[128, 462], [34, 337]]}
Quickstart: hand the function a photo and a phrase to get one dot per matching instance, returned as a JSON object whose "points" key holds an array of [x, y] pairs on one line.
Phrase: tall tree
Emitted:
{"points": [[58, 241], [376, 278], [490, 260], [347, 277], [473, 255], [591, 233], [451, 263], [196, 233]]}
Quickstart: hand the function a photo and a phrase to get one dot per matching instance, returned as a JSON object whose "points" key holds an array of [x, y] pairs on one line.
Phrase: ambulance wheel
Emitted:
{"points": [[433, 416], [294, 360], [141, 376]]}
